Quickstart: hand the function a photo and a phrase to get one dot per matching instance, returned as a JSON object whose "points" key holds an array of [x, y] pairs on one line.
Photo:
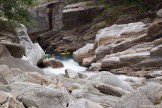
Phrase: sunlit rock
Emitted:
{"points": [[83, 52]]}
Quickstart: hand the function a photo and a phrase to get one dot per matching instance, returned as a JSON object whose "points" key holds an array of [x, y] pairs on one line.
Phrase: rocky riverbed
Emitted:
{"points": [[122, 66]]}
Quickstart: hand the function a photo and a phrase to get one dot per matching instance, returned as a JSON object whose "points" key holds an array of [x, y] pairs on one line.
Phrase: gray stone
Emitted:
{"points": [[136, 99], [159, 13], [32, 77], [73, 86], [42, 97], [153, 91], [15, 88], [21, 64], [135, 57], [115, 32], [91, 93], [87, 61], [8, 74], [16, 50], [111, 79], [4, 52], [154, 74], [48, 16], [111, 62], [3, 80], [82, 75], [156, 51], [110, 90], [69, 98], [84, 103], [95, 66], [7, 100], [33, 52], [118, 46], [152, 62], [83, 52], [71, 74], [77, 93], [146, 96], [73, 13]]}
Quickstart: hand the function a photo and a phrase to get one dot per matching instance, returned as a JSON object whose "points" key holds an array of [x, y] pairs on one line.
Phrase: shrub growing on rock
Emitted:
{"points": [[16, 10]]}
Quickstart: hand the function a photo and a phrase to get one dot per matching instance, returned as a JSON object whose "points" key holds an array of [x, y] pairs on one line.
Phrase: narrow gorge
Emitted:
{"points": [[81, 54]]}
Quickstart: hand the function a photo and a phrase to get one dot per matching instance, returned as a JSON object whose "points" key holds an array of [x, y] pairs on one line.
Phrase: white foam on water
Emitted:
{"points": [[68, 64]]}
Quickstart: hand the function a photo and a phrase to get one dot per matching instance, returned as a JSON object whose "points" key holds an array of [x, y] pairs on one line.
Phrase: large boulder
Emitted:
{"points": [[15, 88], [120, 44], [109, 89], [124, 60], [146, 96], [111, 62], [83, 52], [87, 61], [134, 100], [4, 52], [12, 62], [95, 66], [32, 77], [73, 13], [33, 52], [42, 97], [111, 79], [153, 91], [52, 62], [159, 13], [16, 50], [117, 32], [134, 51], [36, 95], [91, 93], [135, 58], [8, 101], [8, 74]]}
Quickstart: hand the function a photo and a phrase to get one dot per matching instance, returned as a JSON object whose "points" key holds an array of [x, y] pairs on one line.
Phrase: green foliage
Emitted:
{"points": [[139, 3], [109, 5], [16, 11]]}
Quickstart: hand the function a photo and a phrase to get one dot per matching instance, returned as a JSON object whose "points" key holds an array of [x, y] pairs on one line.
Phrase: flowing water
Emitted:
{"points": [[68, 64], [72, 65]]}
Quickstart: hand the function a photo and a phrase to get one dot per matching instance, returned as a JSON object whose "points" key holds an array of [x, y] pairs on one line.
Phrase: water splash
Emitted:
{"points": [[68, 64]]}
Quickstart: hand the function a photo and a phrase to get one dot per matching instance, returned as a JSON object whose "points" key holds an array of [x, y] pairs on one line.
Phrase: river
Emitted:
{"points": [[72, 65], [68, 64]]}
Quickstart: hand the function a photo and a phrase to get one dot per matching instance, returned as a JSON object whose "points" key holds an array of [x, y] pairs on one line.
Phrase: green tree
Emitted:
{"points": [[16, 10]]}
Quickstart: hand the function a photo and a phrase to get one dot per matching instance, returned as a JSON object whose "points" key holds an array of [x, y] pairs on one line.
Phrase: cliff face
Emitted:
{"points": [[60, 25], [132, 49], [70, 24], [47, 16]]}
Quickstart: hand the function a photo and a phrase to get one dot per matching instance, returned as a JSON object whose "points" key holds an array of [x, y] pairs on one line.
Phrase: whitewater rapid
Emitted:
{"points": [[68, 64], [72, 65]]}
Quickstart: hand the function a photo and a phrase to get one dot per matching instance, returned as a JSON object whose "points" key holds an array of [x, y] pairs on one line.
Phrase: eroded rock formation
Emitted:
{"points": [[59, 24]]}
